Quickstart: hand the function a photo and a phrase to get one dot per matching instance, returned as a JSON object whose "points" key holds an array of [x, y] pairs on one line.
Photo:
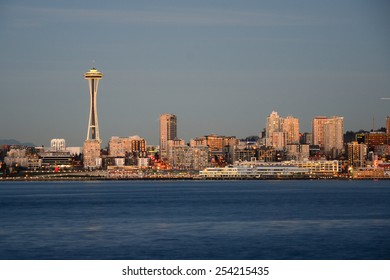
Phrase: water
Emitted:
{"points": [[195, 220]]}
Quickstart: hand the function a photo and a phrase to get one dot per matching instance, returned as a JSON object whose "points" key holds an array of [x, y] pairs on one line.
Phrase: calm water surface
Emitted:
{"points": [[195, 220]]}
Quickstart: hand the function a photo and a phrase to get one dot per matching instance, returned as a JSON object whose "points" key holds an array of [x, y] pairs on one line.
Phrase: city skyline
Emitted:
{"points": [[221, 67]]}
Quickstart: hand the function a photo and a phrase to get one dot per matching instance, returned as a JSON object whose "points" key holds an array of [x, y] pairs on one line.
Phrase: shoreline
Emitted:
{"points": [[81, 178]]}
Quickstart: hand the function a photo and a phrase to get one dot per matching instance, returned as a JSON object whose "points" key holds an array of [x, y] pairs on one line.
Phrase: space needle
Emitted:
{"points": [[93, 76], [91, 151]]}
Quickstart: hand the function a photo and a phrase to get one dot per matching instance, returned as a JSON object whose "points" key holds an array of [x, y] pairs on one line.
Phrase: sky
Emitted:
{"points": [[220, 66]]}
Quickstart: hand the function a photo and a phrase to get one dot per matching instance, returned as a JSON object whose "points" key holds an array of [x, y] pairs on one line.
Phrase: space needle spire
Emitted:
{"points": [[93, 76]]}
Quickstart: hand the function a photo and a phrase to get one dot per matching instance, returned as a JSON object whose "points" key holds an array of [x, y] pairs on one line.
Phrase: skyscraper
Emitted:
{"points": [[290, 126], [92, 143], [334, 136], [318, 130], [168, 131], [388, 125], [281, 131], [328, 134], [273, 125]]}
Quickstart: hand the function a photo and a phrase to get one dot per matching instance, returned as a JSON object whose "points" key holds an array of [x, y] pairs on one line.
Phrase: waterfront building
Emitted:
{"points": [[57, 144], [357, 154], [53, 159], [322, 168], [92, 159], [168, 131], [200, 156], [134, 146], [91, 149], [369, 173], [184, 157], [254, 169], [180, 157], [170, 145]]}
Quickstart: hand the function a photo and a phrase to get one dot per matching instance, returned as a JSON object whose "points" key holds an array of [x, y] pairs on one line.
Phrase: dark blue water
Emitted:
{"points": [[195, 220]]}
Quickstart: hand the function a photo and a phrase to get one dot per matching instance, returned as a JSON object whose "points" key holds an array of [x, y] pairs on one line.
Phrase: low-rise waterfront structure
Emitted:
{"points": [[318, 167], [255, 169]]}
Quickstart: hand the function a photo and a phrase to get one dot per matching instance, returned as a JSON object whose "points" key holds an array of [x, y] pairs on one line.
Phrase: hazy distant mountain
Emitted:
{"points": [[14, 142]]}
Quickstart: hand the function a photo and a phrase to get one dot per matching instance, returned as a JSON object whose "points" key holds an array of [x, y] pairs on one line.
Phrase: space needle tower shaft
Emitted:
{"points": [[93, 76]]}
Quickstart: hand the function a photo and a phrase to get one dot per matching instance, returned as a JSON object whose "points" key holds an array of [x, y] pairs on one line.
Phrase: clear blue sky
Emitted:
{"points": [[220, 66]]}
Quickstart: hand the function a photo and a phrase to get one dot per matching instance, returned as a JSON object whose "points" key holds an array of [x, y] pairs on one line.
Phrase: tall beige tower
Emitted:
{"points": [[318, 130], [388, 125], [328, 133], [273, 125], [168, 131], [334, 135], [290, 126]]}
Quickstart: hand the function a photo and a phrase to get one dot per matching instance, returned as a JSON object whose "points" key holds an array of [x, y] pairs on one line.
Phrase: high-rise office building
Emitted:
{"points": [[168, 131]]}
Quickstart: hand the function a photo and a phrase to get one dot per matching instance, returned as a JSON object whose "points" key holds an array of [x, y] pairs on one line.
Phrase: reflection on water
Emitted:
{"points": [[195, 220]]}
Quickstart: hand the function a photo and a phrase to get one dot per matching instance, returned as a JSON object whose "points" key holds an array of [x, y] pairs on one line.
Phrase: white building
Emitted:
{"points": [[255, 169], [318, 167], [57, 144]]}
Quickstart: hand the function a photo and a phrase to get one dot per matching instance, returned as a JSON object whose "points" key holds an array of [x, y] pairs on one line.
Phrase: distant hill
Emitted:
{"points": [[14, 142]]}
